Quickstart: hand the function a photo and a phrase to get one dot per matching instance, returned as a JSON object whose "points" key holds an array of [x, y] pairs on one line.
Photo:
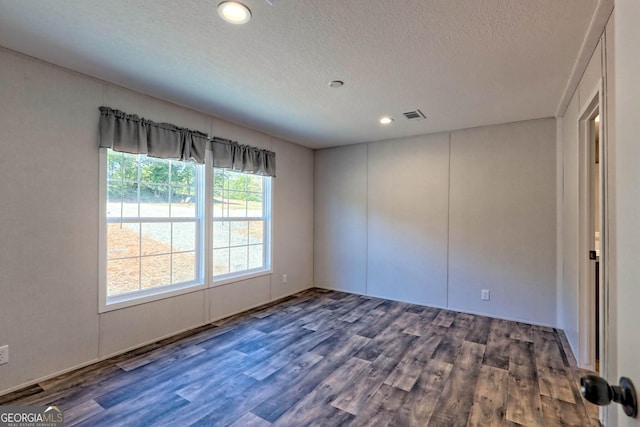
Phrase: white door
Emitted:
{"points": [[626, 305]]}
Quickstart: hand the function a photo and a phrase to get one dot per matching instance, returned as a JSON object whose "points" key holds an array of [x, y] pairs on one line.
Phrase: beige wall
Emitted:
{"points": [[434, 219], [49, 252]]}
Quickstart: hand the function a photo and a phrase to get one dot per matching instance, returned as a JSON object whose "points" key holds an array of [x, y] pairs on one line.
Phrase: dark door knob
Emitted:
{"points": [[598, 391]]}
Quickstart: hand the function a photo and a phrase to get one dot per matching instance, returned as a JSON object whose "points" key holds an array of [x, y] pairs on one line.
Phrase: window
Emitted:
{"points": [[154, 223], [155, 234], [241, 223]]}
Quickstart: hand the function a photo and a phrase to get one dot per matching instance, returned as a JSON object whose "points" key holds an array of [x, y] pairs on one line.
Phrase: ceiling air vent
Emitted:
{"points": [[414, 115]]}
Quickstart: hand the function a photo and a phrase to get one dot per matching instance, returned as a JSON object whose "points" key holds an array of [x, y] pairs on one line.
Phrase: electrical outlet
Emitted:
{"points": [[484, 295], [4, 355], [284, 278]]}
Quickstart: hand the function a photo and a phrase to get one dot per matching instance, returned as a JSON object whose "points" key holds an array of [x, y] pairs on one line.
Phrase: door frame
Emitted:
{"points": [[586, 312]]}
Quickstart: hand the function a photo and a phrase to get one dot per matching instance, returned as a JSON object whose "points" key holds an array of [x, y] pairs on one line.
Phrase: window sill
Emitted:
{"points": [[124, 301], [226, 280]]}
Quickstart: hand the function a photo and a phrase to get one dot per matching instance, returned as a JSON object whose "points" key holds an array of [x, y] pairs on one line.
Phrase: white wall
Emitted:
{"points": [[502, 221], [408, 192], [446, 215], [340, 225], [49, 251]]}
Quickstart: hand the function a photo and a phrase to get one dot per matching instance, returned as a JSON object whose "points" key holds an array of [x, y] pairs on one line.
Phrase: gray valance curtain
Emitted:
{"points": [[131, 134], [242, 158]]}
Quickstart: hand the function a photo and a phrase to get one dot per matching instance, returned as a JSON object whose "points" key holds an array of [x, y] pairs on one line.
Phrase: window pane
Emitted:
{"points": [[220, 261], [183, 173], [156, 238], [154, 171], [256, 232], [221, 234], [237, 204], [115, 165], [184, 267], [122, 198], [184, 236], [123, 240], [220, 208], [254, 205], [154, 201], [254, 183], [239, 233], [220, 202], [155, 271], [147, 254], [255, 256], [183, 202], [219, 181], [130, 209], [238, 181], [130, 167], [238, 261], [220, 178], [239, 195], [123, 276], [114, 199]]}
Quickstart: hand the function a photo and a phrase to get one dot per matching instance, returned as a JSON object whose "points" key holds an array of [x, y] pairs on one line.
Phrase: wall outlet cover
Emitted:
{"points": [[484, 295], [4, 354]]}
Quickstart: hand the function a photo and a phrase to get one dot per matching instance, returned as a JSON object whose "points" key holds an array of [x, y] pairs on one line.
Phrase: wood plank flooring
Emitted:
{"points": [[325, 358]]}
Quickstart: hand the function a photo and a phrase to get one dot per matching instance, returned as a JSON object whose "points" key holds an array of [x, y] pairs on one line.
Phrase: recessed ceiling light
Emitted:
{"points": [[336, 83], [386, 120], [234, 12]]}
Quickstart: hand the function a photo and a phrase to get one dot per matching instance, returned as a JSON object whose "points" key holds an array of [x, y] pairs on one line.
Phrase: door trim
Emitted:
{"points": [[586, 312]]}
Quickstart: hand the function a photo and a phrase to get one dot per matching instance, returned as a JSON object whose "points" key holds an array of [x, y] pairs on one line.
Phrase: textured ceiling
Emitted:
{"points": [[464, 63]]}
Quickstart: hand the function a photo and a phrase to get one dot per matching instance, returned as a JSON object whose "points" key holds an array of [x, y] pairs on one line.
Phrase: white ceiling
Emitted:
{"points": [[464, 63]]}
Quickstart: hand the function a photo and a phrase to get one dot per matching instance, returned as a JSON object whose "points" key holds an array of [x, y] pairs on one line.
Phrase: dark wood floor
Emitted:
{"points": [[327, 358]]}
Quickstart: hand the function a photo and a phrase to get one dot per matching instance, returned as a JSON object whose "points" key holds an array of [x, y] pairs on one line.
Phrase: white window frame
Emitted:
{"points": [[267, 197], [108, 303], [204, 250]]}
